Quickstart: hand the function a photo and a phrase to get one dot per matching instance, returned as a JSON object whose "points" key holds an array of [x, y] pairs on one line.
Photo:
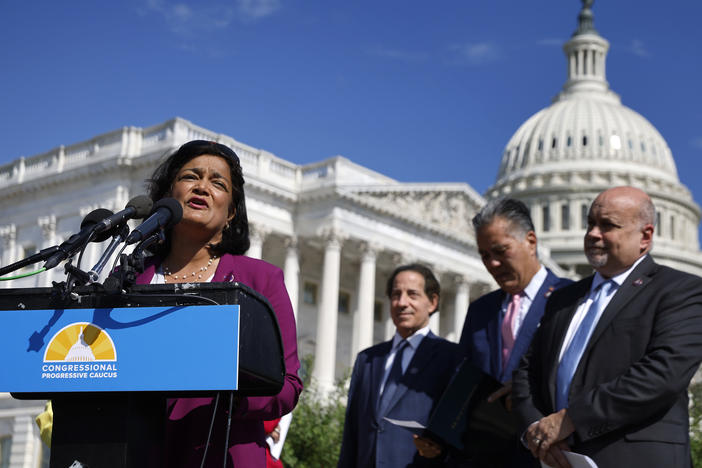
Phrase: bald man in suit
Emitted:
{"points": [[608, 369]]}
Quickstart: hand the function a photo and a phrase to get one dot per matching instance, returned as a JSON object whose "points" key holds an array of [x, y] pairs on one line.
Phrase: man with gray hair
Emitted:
{"points": [[499, 325]]}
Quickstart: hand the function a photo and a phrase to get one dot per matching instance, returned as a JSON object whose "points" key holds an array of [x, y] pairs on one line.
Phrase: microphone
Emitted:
{"points": [[138, 207], [118, 238], [77, 241], [167, 212]]}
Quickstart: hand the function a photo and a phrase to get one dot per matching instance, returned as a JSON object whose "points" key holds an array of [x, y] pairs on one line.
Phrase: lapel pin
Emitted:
{"points": [[550, 290], [638, 282]]}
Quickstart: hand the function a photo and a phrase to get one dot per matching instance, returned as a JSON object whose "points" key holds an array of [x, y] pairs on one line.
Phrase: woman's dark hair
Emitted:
{"points": [[235, 236]]}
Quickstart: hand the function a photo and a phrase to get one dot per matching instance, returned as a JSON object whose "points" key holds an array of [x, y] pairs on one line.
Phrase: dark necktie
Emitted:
{"points": [[572, 355], [393, 379]]}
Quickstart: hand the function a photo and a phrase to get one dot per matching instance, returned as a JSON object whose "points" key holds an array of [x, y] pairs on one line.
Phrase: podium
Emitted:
{"points": [[109, 362]]}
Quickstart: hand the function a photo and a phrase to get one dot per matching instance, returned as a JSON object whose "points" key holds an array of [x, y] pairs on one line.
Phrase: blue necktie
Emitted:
{"points": [[393, 379], [572, 355]]}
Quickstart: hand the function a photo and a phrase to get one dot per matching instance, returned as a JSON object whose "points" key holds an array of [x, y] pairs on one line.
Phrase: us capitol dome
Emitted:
{"points": [[587, 141]]}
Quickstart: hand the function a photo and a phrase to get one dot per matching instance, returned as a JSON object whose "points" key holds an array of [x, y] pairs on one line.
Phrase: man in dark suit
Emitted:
{"points": [[499, 326], [608, 369], [399, 379]]}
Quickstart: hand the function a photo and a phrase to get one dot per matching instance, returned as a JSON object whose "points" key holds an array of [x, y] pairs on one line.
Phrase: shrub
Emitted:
{"points": [[314, 437], [695, 392]]}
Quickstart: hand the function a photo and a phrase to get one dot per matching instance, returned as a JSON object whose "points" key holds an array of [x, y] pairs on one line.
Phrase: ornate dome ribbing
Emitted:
{"points": [[587, 128]]}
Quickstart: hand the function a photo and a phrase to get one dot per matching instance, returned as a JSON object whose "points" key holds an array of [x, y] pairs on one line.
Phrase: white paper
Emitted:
{"points": [[576, 460], [277, 447], [407, 424]]}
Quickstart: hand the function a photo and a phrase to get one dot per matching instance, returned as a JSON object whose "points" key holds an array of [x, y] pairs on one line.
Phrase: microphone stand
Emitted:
{"points": [[130, 265], [37, 257], [117, 239]]}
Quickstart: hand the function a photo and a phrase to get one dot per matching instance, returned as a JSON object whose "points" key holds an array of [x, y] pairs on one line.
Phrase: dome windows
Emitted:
{"points": [[545, 218], [584, 140], [659, 227], [615, 142], [554, 142], [584, 209]]}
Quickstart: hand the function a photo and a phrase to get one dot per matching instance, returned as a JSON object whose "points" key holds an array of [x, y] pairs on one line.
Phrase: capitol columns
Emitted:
{"points": [[363, 318], [291, 271], [8, 238], [48, 232], [436, 317], [327, 315], [460, 307], [257, 235]]}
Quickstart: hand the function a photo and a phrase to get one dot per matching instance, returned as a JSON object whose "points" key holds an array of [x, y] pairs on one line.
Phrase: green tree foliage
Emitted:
{"points": [[314, 437]]}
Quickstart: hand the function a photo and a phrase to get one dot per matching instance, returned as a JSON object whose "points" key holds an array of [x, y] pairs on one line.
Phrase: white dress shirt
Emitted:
{"points": [[585, 305], [528, 296]]}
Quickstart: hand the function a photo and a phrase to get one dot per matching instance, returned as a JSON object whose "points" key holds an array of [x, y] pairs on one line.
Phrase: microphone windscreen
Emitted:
{"points": [[142, 204], [95, 217], [172, 205]]}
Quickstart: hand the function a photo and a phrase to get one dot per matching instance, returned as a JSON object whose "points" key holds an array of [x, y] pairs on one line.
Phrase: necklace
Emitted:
{"points": [[201, 271]]}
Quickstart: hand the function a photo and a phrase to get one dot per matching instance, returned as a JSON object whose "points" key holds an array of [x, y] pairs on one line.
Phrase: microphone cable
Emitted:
{"points": [[23, 275]]}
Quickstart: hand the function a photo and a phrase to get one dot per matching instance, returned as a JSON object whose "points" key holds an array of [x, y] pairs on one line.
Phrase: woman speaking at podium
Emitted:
{"points": [[207, 245]]}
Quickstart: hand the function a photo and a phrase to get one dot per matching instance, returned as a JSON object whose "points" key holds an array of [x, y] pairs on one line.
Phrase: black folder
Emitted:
{"points": [[463, 418]]}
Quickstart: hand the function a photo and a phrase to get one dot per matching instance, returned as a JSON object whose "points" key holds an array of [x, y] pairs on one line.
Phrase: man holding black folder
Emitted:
{"points": [[400, 379], [499, 325]]}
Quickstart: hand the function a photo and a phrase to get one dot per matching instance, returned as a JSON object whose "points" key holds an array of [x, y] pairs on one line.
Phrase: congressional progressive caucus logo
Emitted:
{"points": [[80, 350]]}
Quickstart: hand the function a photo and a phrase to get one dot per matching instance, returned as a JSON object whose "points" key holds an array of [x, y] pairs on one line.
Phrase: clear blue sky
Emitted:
{"points": [[418, 90]]}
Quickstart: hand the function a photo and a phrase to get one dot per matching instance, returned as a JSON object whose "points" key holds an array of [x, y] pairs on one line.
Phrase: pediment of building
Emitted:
{"points": [[444, 208]]}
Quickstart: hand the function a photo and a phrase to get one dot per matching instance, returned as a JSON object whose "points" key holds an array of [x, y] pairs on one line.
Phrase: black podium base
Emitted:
{"points": [[109, 430]]}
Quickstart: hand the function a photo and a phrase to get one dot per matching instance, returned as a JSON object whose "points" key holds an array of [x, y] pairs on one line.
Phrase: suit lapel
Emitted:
{"points": [[531, 322], [633, 285], [422, 356], [495, 334], [377, 367], [558, 330]]}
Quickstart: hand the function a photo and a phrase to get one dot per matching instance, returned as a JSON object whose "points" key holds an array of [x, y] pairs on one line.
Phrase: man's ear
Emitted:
{"points": [[646, 237], [531, 240], [434, 299]]}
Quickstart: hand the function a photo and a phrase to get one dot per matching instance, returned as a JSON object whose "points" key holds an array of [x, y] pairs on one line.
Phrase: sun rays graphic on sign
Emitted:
{"points": [[80, 342]]}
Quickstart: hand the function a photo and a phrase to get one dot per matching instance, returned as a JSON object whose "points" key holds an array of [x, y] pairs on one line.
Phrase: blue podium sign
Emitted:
{"points": [[181, 348]]}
